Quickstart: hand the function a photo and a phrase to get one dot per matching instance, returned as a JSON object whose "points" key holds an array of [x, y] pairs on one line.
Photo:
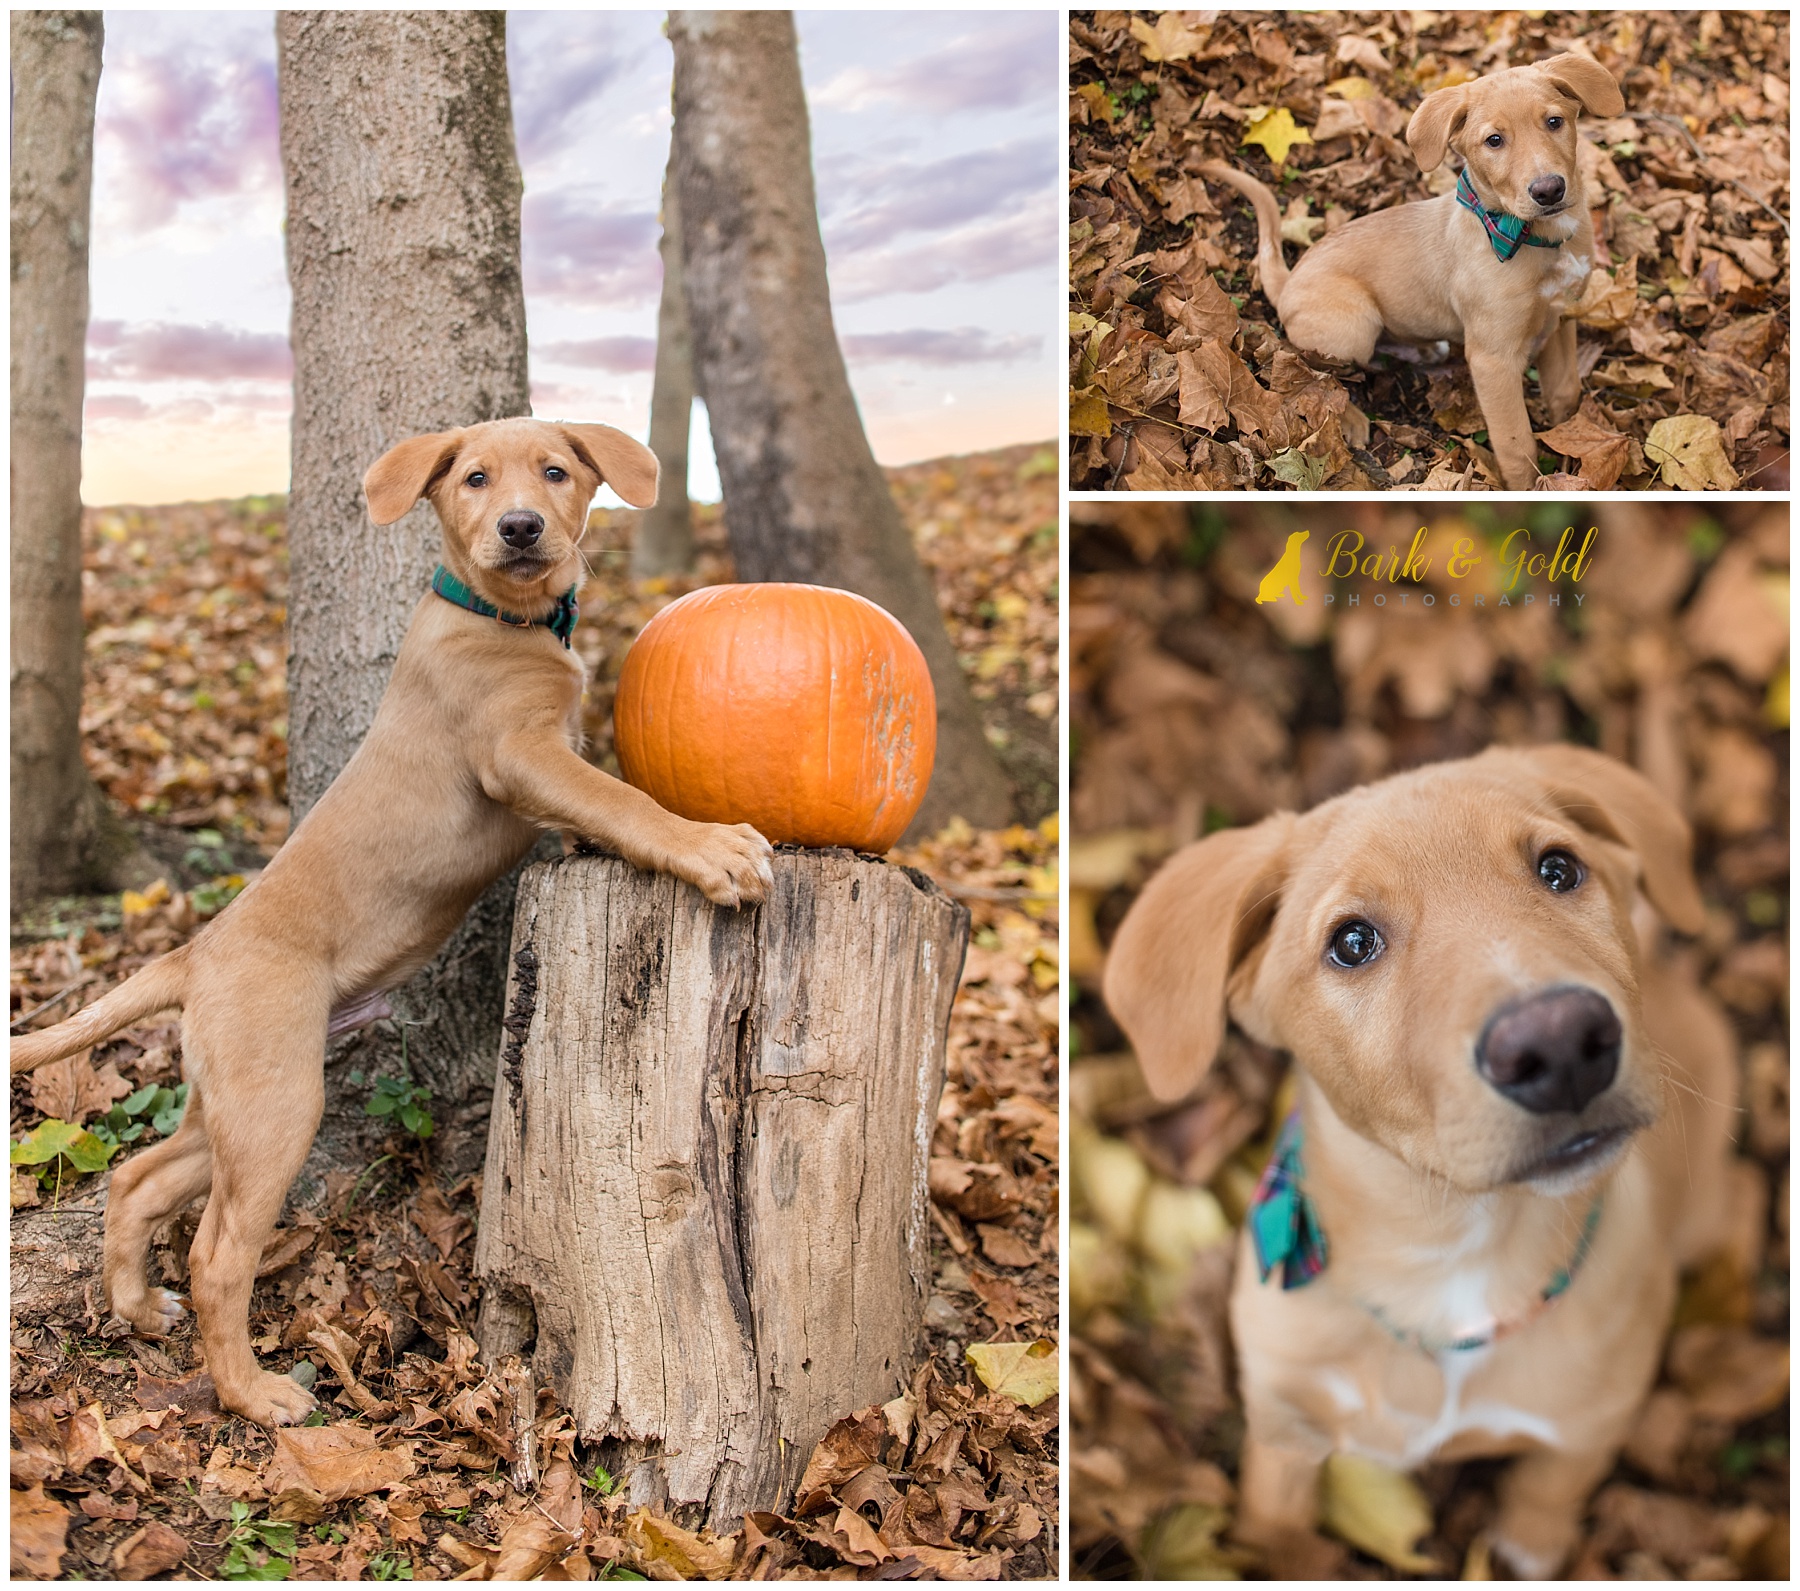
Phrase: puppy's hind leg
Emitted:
{"points": [[1334, 317], [1542, 1499], [149, 1188], [263, 1101]]}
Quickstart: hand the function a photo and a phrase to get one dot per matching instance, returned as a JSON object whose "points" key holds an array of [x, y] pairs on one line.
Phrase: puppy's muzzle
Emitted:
{"points": [[521, 528], [1553, 1051]]}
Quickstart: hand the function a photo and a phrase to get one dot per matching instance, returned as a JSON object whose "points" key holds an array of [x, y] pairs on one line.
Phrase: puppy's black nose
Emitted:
{"points": [[1548, 190], [521, 528], [1552, 1051]]}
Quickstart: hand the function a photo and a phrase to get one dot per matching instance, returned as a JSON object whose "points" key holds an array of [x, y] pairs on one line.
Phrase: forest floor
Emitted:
{"points": [[1193, 709], [1179, 377], [122, 1464]]}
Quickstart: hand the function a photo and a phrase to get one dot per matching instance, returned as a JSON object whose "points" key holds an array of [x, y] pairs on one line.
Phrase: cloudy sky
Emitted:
{"points": [[935, 140]]}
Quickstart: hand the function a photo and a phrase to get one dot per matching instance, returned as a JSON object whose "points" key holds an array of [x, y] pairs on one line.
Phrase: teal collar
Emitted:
{"points": [[1507, 233], [560, 621], [1286, 1234]]}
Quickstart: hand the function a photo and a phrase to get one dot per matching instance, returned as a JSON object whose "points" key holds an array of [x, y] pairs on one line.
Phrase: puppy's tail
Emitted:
{"points": [[160, 985], [1268, 226]]}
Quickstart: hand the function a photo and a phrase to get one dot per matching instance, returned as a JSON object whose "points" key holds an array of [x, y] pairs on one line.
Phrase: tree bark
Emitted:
{"points": [[705, 1194], [64, 836], [664, 544], [403, 194], [804, 497]]}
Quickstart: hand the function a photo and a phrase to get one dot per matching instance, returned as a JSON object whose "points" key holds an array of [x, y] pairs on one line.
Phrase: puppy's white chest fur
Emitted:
{"points": [[1397, 1427]]}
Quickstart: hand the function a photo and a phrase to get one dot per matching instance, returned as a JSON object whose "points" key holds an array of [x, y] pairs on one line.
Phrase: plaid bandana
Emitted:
{"points": [[560, 621], [1506, 232], [1283, 1224]]}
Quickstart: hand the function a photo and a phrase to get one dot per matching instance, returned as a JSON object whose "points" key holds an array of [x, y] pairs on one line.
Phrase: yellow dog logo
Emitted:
{"points": [[1285, 576]]}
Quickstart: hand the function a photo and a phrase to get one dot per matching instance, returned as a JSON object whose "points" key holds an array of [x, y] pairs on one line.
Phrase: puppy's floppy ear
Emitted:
{"points": [[402, 475], [1169, 971], [1618, 803], [1587, 81], [1438, 119], [625, 464]]}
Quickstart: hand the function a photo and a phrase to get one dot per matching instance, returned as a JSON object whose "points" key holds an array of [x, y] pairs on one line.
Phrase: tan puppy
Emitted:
{"points": [[1427, 272], [1486, 1047], [471, 754]]}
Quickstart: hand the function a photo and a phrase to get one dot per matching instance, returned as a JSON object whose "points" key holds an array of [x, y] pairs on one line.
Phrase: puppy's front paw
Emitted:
{"points": [[731, 865], [154, 1313], [272, 1400]]}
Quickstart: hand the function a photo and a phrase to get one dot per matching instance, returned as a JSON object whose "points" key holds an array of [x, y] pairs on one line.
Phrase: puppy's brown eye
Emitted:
{"points": [[477, 479], [1560, 871], [1554, 123], [1355, 943], [555, 474], [1493, 140]]}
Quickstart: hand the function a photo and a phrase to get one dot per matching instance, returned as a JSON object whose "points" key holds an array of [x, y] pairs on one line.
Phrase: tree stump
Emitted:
{"points": [[705, 1194]]}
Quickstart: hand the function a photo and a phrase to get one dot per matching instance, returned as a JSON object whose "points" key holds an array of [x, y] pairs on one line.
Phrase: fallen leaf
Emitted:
{"points": [[152, 1550], [999, 1298], [847, 1449], [337, 1461], [40, 1527], [432, 1215], [1603, 451], [1004, 1246], [1729, 1372], [1689, 450], [691, 1554], [1026, 1372], [1277, 132], [1171, 38], [73, 1090], [1378, 1509], [529, 1546]]}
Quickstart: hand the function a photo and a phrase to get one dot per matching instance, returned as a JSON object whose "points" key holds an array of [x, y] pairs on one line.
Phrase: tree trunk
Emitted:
{"points": [[64, 837], [804, 497], [705, 1192], [664, 544], [403, 194]]}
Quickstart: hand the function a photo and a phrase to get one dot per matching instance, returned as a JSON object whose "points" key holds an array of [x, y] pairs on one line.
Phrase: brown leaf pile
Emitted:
{"points": [[1194, 708], [1179, 379], [184, 694], [123, 1466]]}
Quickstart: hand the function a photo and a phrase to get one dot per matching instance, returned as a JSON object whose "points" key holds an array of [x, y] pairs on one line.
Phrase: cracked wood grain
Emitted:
{"points": [[704, 1214]]}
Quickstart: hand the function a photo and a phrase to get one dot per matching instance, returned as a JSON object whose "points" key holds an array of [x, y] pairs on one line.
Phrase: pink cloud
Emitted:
{"points": [[620, 355], [159, 351], [967, 345], [179, 128], [591, 256]]}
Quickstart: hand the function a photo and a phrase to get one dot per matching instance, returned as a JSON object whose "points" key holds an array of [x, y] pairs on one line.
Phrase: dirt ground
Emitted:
{"points": [[124, 1467], [1193, 708], [1179, 379]]}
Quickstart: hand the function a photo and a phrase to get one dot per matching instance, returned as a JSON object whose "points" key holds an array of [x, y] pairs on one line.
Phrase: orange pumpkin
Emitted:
{"points": [[804, 711]]}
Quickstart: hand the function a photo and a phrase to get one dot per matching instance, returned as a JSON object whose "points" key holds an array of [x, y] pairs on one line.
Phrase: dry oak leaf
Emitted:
{"points": [[847, 1449], [1689, 450], [1741, 615], [72, 1090], [1173, 38], [432, 1215], [1730, 1373], [530, 1545], [1026, 1372], [1004, 1246], [1608, 303], [1277, 132], [40, 1528], [1603, 451], [152, 1550], [692, 1555], [336, 1461]]}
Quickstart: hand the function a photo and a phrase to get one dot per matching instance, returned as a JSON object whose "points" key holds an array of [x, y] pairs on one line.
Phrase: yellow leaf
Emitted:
{"points": [[1690, 451], [132, 904], [1183, 1544], [1351, 88], [1100, 103], [1277, 133], [1297, 226], [1050, 828], [1377, 1509], [1081, 325], [1088, 416], [1171, 39], [1026, 1372], [1775, 704]]}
